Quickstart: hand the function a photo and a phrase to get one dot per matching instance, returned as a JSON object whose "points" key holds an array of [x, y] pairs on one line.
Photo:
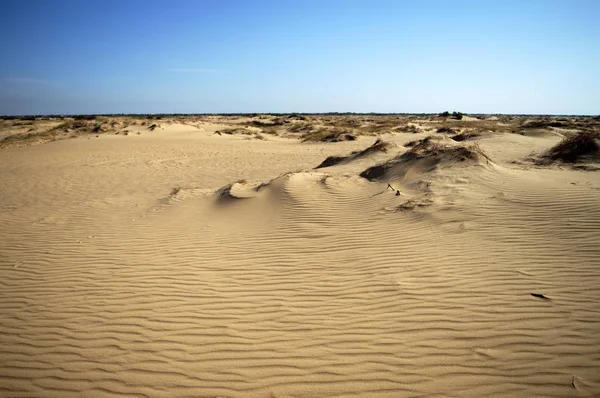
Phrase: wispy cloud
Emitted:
{"points": [[29, 81], [193, 70]]}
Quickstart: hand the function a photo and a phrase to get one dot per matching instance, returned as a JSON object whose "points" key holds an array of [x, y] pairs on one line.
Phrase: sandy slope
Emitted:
{"points": [[318, 284]]}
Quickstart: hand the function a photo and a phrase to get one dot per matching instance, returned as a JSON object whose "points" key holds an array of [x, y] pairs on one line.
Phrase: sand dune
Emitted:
{"points": [[187, 264]]}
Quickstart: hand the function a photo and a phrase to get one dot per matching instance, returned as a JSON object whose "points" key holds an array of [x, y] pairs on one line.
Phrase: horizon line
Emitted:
{"points": [[288, 113]]}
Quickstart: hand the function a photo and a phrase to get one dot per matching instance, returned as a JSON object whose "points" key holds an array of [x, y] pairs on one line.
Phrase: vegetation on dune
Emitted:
{"points": [[26, 138], [328, 135], [295, 116], [574, 148], [412, 143], [241, 131], [84, 117], [445, 130], [175, 191], [455, 115], [260, 123], [431, 148], [378, 146], [542, 124], [300, 128], [78, 124], [324, 127], [232, 131], [465, 136], [424, 141], [43, 130], [409, 128]]}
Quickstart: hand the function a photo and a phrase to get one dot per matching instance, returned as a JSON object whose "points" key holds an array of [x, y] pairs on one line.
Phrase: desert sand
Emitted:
{"points": [[174, 261]]}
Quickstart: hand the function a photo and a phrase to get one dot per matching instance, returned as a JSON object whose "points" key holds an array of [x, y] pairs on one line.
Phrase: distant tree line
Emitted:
{"points": [[455, 115], [158, 116]]}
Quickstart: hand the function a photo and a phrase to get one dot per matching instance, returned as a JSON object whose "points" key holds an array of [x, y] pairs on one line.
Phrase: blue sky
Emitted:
{"points": [[132, 56]]}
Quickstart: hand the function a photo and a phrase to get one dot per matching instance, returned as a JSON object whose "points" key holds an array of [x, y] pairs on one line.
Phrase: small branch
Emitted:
{"points": [[394, 189], [541, 296]]}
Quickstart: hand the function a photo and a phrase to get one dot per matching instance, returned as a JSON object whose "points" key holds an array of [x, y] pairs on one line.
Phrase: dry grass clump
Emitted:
{"points": [[471, 124], [75, 125], [260, 123], [295, 116], [445, 130], [66, 128], [381, 124], [576, 147], [361, 124], [266, 121], [232, 131], [543, 124], [430, 149], [328, 135], [343, 122], [16, 139], [425, 140], [409, 128], [465, 136], [300, 128], [89, 125], [242, 131], [378, 146], [279, 121], [580, 123]]}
